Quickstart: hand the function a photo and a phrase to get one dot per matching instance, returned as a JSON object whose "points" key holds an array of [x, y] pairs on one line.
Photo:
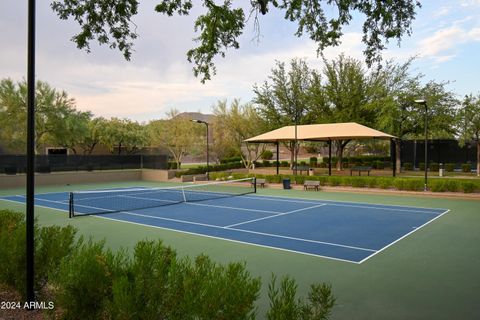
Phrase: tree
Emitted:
{"points": [[347, 91], [289, 97], [123, 135], [71, 130], [469, 117], [52, 107], [110, 22], [179, 135], [94, 135], [236, 124]]}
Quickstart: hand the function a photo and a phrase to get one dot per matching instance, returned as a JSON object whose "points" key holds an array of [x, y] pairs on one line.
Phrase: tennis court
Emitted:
{"points": [[346, 231]]}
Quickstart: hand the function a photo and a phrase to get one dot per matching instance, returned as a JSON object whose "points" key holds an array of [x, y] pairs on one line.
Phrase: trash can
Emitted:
{"points": [[311, 172], [286, 184], [440, 170]]}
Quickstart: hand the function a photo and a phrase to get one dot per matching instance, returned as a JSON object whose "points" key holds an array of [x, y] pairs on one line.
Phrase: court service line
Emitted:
{"points": [[272, 216]]}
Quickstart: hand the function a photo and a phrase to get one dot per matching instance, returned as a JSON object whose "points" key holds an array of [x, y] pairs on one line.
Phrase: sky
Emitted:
{"points": [[445, 40]]}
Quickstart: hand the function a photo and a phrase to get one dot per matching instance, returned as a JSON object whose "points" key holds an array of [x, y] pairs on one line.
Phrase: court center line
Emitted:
{"points": [[272, 216]]}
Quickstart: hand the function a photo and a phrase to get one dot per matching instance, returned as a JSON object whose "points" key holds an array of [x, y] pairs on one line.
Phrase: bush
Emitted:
{"points": [[385, 183], [468, 186], [303, 163], [434, 166], [378, 164], [466, 167], [323, 165], [421, 166], [408, 166], [284, 303], [284, 164], [267, 155], [313, 161], [449, 167], [266, 163], [230, 160]]}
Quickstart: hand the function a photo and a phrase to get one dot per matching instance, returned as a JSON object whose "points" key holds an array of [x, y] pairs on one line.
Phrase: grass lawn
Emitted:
{"points": [[432, 274]]}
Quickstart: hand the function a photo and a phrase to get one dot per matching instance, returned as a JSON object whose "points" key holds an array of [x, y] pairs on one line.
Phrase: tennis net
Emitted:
{"points": [[83, 203]]}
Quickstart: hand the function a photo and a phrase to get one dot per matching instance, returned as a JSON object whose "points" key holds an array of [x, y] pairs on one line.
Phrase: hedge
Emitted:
{"points": [[407, 184]]}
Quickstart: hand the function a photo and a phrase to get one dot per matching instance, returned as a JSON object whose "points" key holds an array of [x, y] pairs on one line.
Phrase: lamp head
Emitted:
{"points": [[421, 101]]}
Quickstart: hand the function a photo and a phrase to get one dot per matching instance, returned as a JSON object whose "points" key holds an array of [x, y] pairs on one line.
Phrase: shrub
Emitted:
{"points": [[323, 165], [434, 166], [385, 183], [359, 182], [421, 166], [313, 161], [231, 160], [413, 184], [84, 281], [284, 164], [284, 303], [408, 166], [266, 163], [378, 164], [303, 163], [466, 167], [334, 181], [267, 155], [468, 186], [449, 167]]}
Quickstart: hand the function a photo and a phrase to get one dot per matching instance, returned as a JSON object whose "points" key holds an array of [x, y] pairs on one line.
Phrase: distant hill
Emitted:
{"points": [[197, 116]]}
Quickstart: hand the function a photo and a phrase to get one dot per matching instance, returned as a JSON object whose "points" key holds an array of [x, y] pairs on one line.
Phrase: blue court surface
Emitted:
{"points": [[345, 231]]}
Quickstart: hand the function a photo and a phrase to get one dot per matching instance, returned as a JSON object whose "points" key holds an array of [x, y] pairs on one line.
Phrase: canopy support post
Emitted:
{"points": [[278, 156], [393, 156], [329, 157]]}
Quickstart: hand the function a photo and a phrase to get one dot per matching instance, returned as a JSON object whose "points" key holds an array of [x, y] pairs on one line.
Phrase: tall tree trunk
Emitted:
{"points": [[398, 156], [340, 146]]}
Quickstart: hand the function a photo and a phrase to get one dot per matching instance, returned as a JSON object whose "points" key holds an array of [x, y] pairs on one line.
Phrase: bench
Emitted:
{"points": [[260, 182], [301, 169], [360, 169], [311, 184]]}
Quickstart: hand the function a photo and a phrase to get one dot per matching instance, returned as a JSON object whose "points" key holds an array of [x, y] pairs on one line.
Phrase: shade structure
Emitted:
{"points": [[321, 132]]}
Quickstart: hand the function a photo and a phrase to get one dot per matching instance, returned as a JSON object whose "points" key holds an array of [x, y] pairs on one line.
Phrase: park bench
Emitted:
{"points": [[311, 184], [260, 182], [301, 169], [360, 169]]}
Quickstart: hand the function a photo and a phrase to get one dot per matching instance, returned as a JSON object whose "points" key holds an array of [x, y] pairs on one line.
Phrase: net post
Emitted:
{"points": [[254, 184], [70, 205]]}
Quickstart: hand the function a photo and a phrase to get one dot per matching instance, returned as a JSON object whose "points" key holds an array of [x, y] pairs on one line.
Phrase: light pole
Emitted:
{"points": [[208, 163], [424, 103]]}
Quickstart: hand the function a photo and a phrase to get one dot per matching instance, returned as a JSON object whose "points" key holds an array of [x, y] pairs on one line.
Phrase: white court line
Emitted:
{"points": [[359, 204], [272, 216], [404, 236]]}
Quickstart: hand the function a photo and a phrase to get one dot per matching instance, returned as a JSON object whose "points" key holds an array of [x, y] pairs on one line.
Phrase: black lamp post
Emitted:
{"points": [[424, 103], [208, 163]]}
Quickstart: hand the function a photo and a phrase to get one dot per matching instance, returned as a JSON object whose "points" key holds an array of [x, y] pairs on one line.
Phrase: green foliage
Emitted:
{"points": [[421, 166], [469, 187], [230, 160], [449, 167], [284, 164], [267, 155], [51, 246], [433, 166], [313, 161], [284, 304], [466, 167], [408, 166]]}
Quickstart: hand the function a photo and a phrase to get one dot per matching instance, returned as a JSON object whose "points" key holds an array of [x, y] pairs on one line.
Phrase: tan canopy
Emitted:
{"points": [[321, 132]]}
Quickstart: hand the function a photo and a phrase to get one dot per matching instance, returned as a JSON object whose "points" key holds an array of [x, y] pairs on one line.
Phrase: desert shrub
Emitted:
{"points": [[84, 281], [284, 304], [284, 164], [266, 163]]}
